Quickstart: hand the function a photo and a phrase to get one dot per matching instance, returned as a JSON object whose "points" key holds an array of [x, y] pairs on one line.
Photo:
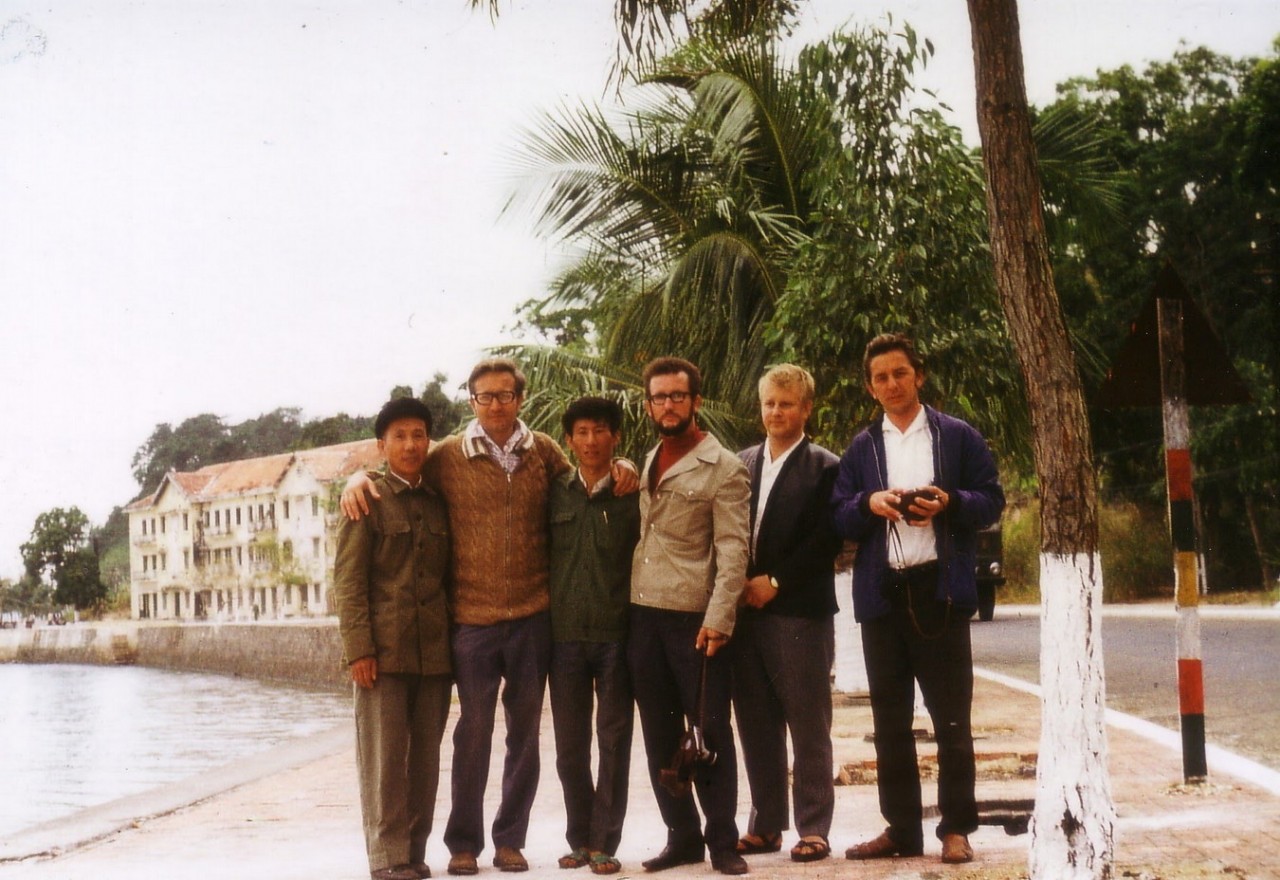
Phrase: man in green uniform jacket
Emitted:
{"points": [[593, 532], [393, 617]]}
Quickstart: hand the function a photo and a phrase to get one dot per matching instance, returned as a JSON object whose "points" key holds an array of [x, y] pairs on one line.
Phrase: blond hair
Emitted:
{"points": [[789, 377]]}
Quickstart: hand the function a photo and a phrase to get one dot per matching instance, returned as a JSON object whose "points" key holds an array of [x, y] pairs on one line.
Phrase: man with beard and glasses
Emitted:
{"points": [[687, 574]]}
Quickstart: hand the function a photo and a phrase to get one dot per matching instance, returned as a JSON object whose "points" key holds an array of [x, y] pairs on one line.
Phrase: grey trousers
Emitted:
{"points": [[781, 683], [399, 724]]}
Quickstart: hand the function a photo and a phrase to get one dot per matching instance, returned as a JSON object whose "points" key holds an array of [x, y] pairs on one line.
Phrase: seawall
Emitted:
{"points": [[305, 653]]}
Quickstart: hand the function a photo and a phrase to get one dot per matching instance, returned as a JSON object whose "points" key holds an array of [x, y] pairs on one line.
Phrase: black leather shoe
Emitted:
{"points": [[729, 862], [674, 855]]}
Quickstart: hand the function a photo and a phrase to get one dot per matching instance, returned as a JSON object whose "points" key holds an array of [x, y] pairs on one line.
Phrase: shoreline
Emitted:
{"points": [[304, 652], [57, 837]]}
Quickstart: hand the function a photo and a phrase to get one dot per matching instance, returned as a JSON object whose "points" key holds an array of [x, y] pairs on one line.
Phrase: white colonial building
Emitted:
{"points": [[242, 540]]}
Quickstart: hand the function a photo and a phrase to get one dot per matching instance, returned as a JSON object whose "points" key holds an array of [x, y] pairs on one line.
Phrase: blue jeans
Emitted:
{"points": [[517, 652], [593, 813]]}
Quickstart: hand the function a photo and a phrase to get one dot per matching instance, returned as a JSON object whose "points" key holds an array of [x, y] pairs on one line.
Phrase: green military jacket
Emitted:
{"points": [[390, 576], [591, 543]]}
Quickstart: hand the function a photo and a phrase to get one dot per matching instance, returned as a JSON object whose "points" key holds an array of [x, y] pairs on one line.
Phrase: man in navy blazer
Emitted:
{"points": [[785, 640]]}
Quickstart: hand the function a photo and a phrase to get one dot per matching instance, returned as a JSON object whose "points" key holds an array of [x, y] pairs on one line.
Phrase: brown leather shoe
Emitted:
{"points": [[463, 864], [508, 858], [882, 847], [956, 849]]}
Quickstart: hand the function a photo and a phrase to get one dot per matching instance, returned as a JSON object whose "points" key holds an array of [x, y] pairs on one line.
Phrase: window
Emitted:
{"points": [[315, 505], [237, 516], [162, 519], [185, 526], [286, 508], [164, 562], [217, 518], [144, 527], [240, 556], [186, 559], [315, 547]]}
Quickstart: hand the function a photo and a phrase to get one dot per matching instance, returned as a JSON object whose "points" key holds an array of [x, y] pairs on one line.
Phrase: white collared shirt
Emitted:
{"points": [[602, 485], [769, 469], [909, 465], [508, 454]]}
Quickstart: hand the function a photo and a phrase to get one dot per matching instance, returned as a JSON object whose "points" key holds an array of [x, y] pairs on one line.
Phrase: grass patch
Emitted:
{"points": [[1137, 557]]}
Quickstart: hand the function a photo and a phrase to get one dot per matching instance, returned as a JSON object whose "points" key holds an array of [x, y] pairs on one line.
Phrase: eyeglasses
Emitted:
{"points": [[676, 397], [485, 398]]}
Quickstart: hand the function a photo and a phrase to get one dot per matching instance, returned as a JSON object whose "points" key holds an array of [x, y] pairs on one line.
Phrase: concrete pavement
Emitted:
{"points": [[293, 813]]}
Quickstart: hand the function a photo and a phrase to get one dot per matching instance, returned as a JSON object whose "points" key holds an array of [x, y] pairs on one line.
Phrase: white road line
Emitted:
{"points": [[1219, 759]]}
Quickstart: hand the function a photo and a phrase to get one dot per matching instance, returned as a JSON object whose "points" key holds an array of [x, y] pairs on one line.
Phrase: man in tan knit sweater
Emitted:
{"points": [[495, 478]]}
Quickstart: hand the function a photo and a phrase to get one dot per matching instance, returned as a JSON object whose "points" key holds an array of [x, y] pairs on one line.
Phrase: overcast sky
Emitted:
{"points": [[233, 206]]}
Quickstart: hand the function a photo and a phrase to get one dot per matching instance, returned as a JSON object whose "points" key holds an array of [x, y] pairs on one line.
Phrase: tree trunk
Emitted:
{"points": [[1259, 543], [1074, 818]]}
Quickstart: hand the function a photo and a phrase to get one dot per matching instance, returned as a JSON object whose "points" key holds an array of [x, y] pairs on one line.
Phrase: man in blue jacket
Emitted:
{"points": [[913, 490]]}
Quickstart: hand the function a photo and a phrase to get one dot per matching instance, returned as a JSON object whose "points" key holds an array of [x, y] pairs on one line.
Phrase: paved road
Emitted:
{"points": [[1241, 671]]}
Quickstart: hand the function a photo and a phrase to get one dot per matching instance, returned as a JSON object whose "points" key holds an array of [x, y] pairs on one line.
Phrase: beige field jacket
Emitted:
{"points": [[694, 527]]}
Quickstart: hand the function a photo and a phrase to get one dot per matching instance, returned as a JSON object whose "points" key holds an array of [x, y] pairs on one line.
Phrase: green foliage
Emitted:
{"points": [[447, 413], [207, 439], [1196, 138], [332, 430], [112, 543], [60, 551], [897, 242], [743, 210], [556, 379], [1137, 557], [27, 596]]}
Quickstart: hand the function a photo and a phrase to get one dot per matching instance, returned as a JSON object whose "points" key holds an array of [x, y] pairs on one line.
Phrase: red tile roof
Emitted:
{"points": [[232, 478]]}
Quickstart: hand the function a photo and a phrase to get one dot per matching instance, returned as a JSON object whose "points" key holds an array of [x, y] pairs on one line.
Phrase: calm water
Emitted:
{"points": [[77, 736]]}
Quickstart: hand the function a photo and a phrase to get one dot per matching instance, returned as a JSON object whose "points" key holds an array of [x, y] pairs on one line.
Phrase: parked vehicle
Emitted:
{"points": [[989, 569]]}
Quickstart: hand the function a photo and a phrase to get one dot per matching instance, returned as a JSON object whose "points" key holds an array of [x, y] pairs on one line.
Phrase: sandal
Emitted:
{"points": [[575, 859], [812, 848], [603, 863], [758, 844]]}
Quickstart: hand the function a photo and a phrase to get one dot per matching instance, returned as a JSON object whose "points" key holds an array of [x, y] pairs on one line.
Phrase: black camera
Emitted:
{"points": [[906, 499]]}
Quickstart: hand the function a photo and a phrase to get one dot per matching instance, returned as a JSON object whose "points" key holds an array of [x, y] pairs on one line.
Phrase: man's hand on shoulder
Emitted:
{"points": [[626, 480], [354, 502]]}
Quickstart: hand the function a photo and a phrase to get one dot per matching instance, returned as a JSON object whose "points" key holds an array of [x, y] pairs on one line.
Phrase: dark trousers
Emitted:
{"points": [[593, 813], [399, 724], [666, 670], [921, 640], [781, 682], [484, 657]]}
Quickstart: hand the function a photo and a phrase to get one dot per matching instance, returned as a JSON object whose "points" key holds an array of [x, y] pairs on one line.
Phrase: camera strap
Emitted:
{"points": [[895, 540]]}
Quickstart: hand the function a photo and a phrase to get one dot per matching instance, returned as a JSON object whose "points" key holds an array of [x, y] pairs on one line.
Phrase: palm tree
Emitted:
{"points": [[688, 204]]}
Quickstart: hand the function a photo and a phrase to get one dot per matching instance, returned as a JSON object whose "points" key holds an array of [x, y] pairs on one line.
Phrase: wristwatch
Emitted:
{"points": [[773, 582]]}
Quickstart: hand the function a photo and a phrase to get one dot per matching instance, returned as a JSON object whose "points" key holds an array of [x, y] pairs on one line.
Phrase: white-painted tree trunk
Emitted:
{"points": [[1072, 828]]}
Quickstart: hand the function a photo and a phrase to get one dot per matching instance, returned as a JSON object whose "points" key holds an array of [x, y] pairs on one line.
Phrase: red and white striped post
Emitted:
{"points": [[1177, 442]]}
